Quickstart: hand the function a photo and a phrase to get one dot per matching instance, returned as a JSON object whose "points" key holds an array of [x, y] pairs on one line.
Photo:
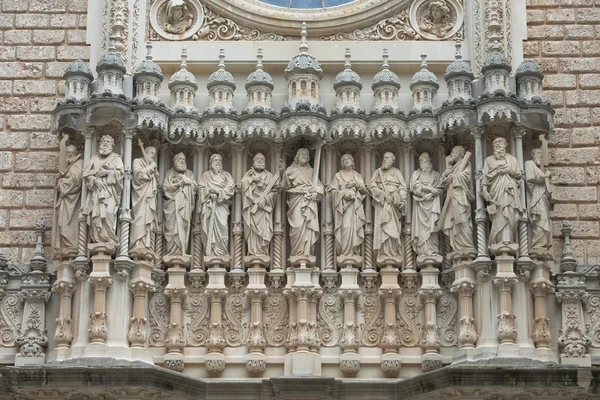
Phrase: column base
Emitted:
{"points": [[579, 361], [95, 350], [59, 354], [141, 354], [174, 361], [302, 362], [391, 363], [350, 363], [431, 362], [256, 363], [214, 363], [508, 350], [466, 354], [545, 355], [21, 361]]}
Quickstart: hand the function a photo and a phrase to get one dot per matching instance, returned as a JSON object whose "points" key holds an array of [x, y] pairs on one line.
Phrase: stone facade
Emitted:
{"points": [[328, 230]]}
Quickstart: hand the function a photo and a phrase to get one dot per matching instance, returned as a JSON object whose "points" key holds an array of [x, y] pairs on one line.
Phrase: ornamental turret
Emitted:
{"points": [[424, 86], [221, 86], [386, 87], [259, 87], [496, 71], [78, 78], [303, 74], [459, 79], [147, 78], [111, 70], [347, 88], [529, 81], [183, 87]]}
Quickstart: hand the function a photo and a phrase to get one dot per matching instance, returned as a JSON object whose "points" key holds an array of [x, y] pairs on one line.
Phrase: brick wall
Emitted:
{"points": [[563, 38], [38, 39]]}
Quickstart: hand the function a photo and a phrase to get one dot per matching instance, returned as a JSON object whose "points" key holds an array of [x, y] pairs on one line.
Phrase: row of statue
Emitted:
{"points": [[103, 177]]}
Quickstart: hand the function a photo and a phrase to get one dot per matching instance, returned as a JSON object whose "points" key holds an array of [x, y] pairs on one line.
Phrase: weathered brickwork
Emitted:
{"points": [[563, 38], [38, 39]]}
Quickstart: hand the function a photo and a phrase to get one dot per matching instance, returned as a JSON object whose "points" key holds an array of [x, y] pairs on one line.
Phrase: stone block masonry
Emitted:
{"points": [[38, 39], [563, 39]]}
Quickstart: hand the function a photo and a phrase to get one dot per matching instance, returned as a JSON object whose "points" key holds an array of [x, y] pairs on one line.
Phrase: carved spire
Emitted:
{"points": [[259, 57], [149, 51], [568, 263], [347, 64], [303, 44], [222, 59], [183, 64], [38, 260], [385, 63]]}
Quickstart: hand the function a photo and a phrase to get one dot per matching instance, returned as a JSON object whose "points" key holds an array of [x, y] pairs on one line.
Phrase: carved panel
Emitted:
{"points": [[11, 313], [276, 319], [159, 320], [197, 308], [373, 325], [233, 316], [447, 317], [408, 319], [329, 318]]}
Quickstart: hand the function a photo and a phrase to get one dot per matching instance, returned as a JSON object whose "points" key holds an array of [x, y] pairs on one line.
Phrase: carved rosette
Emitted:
{"points": [[507, 332]]}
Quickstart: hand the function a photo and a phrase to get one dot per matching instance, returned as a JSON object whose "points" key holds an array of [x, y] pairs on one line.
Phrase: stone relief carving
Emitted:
{"points": [[197, 308], [329, 318], [408, 318], [388, 190], [216, 188], [447, 308], [234, 313], [276, 315], [159, 319], [68, 189], [372, 328], [176, 19], [103, 176], [500, 188], [436, 19], [11, 314], [573, 341], [179, 191]]}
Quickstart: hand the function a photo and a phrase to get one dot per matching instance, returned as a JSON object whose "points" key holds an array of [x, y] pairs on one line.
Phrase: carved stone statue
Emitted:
{"points": [[143, 199], [437, 20], [303, 193], [216, 190], [179, 189], [538, 201], [104, 179], [455, 220], [179, 17], [347, 194], [426, 187], [388, 190], [500, 188], [68, 189], [258, 190]]}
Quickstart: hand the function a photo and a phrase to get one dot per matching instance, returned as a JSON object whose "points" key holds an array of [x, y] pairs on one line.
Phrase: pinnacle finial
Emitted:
{"points": [[423, 61], [496, 46], [385, 64], [458, 54], [183, 57], [149, 50], [112, 45], [347, 64], [259, 57], [221, 58], [303, 44]]}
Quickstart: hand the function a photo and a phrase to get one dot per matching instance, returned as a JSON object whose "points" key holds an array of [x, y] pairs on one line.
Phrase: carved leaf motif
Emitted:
{"points": [[11, 314], [593, 315], [329, 319], [159, 320], [446, 313], [276, 316], [408, 320], [197, 329], [234, 312], [372, 328]]}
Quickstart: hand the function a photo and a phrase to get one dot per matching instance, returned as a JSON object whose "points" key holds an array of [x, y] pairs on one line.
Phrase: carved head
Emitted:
{"points": [[457, 154], [71, 152], [107, 143], [151, 152], [259, 162], [425, 162], [388, 160], [179, 162], [176, 9], [302, 157], [347, 161], [438, 12], [536, 156], [499, 147], [216, 163]]}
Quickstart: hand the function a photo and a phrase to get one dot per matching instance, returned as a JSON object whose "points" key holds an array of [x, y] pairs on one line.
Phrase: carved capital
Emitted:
{"points": [[63, 288], [505, 284], [139, 289], [175, 295], [63, 335], [97, 331], [390, 294], [100, 282], [541, 289], [137, 331], [430, 294]]}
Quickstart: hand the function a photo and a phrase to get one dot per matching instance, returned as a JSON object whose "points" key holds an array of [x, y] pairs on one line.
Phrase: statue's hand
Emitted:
{"points": [[281, 166], [213, 197], [389, 199], [101, 173], [428, 197]]}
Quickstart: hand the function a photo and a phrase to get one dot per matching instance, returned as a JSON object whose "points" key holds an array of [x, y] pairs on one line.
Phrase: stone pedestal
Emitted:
{"points": [[429, 293], [176, 292]]}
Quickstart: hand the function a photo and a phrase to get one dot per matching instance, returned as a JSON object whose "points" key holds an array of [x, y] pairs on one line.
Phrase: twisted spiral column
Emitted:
{"points": [[88, 134], [277, 244], [83, 237], [369, 247], [523, 241], [238, 244], [124, 232], [329, 246], [518, 133], [408, 249], [158, 250]]}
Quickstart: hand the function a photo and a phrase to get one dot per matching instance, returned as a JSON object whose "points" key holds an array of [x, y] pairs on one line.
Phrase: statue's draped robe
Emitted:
{"points": [[215, 227], [143, 200], [538, 206], [69, 190], [258, 221], [303, 216], [503, 190], [179, 203], [387, 228], [426, 213], [104, 196], [455, 220], [349, 215]]}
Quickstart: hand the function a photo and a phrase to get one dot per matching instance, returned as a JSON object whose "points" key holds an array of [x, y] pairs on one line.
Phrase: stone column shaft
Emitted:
{"points": [[125, 211], [329, 248], [480, 213], [82, 249], [368, 247], [197, 259], [278, 260], [409, 261]]}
